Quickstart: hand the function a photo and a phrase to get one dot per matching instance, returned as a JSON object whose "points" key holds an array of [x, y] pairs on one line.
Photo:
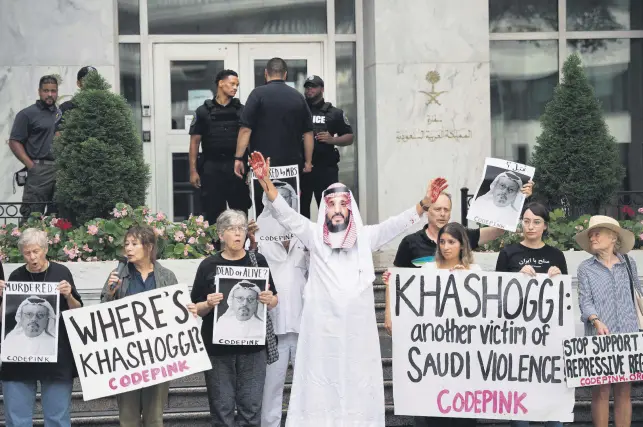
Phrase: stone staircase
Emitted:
{"points": [[188, 405]]}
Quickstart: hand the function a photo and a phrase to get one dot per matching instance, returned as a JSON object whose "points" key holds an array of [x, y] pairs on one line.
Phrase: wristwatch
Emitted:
{"points": [[594, 320], [424, 207], [239, 158]]}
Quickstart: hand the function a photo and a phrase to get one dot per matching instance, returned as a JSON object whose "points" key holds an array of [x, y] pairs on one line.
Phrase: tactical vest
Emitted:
{"points": [[324, 154], [223, 129]]}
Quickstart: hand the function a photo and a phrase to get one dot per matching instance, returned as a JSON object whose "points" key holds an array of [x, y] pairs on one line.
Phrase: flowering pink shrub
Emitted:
{"points": [[102, 239]]}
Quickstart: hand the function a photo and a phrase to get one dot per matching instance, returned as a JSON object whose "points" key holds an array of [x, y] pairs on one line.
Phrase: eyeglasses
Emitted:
{"points": [[237, 228], [30, 315], [242, 300]]}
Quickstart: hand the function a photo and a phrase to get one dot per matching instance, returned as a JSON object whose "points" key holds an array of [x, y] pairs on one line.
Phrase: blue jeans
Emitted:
{"points": [[20, 398], [526, 424]]}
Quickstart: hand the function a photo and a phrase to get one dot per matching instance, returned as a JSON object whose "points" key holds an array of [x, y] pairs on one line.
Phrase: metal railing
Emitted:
{"points": [[16, 212], [617, 208]]}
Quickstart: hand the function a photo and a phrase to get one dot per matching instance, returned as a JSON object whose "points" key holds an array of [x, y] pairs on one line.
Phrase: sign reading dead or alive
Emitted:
{"points": [[604, 359], [135, 342], [480, 344]]}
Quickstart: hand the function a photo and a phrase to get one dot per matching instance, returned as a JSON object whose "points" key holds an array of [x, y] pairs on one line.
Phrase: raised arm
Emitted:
{"points": [[386, 231], [293, 222]]}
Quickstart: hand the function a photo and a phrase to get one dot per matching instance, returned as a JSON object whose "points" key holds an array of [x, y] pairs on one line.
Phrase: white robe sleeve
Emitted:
{"points": [[295, 223], [384, 232]]}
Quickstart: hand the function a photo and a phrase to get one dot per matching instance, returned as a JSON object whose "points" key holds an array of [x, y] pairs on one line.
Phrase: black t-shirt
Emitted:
{"points": [[513, 258], [34, 127], [417, 249], [204, 285], [65, 368], [336, 123], [278, 116]]}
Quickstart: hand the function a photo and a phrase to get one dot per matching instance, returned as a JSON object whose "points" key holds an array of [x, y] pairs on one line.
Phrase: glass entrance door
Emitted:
{"points": [[183, 79]]}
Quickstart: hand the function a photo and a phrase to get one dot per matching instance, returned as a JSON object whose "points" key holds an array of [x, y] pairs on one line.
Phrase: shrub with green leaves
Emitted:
{"points": [[576, 158], [99, 155]]}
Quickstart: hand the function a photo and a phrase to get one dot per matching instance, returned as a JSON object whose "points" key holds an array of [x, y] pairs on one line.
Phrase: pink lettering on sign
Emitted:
{"points": [[148, 375], [482, 402], [611, 379]]}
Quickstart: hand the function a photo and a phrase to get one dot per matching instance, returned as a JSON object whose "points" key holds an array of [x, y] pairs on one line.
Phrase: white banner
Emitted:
{"points": [[31, 313], [135, 342], [604, 359], [480, 345]]}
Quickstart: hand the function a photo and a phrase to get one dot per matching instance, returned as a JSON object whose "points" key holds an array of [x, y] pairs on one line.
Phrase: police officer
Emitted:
{"points": [[331, 129], [215, 126]]}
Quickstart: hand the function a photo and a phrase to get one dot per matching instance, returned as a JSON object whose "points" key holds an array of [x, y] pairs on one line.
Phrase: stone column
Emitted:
{"points": [[427, 99], [49, 37]]}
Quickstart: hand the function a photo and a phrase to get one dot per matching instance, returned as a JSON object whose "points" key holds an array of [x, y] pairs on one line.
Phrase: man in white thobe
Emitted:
{"points": [[503, 202], [35, 331], [338, 378], [242, 320]]}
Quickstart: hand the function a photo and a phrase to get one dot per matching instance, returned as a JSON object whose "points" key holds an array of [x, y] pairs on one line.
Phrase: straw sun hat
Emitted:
{"points": [[599, 221]]}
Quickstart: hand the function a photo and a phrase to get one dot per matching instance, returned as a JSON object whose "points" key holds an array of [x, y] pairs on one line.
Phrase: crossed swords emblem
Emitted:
{"points": [[433, 77]]}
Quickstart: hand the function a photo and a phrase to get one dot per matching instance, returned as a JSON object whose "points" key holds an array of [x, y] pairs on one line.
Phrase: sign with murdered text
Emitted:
{"points": [[480, 344], [135, 342]]}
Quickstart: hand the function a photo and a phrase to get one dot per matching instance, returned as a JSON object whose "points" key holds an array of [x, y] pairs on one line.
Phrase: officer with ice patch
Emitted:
{"points": [[332, 130]]}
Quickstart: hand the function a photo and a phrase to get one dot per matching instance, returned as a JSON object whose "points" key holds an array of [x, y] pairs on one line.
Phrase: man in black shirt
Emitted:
{"points": [[331, 129], [68, 105], [273, 121], [215, 127], [31, 141]]}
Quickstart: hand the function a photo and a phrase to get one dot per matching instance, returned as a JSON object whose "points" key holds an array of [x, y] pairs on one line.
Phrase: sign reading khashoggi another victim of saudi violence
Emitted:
{"points": [[135, 342], [475, 344]]}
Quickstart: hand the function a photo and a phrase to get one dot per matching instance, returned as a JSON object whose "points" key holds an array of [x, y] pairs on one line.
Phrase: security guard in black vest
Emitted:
{"points": [[332, 130], [216, 126]]}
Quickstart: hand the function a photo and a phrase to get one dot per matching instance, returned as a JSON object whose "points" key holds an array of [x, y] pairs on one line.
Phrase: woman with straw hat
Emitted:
{"points": [[607, 285]]}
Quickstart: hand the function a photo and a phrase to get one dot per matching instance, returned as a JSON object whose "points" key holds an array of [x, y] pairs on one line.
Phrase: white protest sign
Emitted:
{"points": [[286, 180], [31, 313], [480, 344], [604, 359], [135, 342], [499, 200], [240, 318]]}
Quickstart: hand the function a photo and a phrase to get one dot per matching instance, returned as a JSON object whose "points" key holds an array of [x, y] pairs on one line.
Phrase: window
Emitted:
{"points": [[345, 16], [237, 17], [130, 78], [604, 15], [515, 16], [346, 72], [128, 17]]}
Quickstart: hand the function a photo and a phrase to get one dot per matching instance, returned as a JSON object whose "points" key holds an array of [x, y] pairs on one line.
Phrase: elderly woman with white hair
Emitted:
{"points": [[238, 371], [607, 285], [19, 380]]}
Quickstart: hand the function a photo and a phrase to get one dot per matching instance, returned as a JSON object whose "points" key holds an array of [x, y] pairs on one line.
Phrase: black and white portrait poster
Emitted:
{"points": [[240, 318], [286, 179], [499, 200], [30, 322]]}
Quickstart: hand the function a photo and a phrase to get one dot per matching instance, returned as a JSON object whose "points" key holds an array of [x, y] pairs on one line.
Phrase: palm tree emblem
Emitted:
{"points": [[433, 77]]}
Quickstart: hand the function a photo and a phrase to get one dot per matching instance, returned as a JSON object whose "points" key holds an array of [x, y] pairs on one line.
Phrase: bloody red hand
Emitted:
{"points": [[258, 164], [438, 185]]}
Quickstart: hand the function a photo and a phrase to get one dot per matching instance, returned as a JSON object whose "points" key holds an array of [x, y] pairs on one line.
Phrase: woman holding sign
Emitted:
{"points": [[141, 273], [238, 371], [533, 256], [453, 253], [34, 318], [607, 285]]}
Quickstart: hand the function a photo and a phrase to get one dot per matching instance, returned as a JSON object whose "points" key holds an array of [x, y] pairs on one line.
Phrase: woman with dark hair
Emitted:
{"points": [[143, 273], [532, 256], [454, 249]]}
